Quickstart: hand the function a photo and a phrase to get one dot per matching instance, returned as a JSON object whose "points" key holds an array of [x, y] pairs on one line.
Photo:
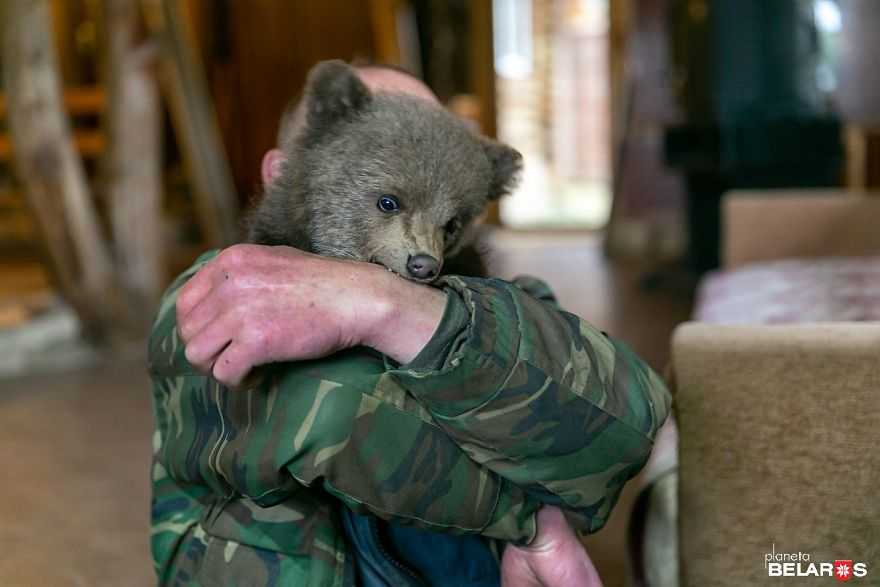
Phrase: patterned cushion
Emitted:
{"points": [[839, 289]]}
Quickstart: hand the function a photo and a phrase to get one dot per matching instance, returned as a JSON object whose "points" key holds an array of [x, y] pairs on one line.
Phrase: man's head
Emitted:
{"points": [[377, 78], [375, 169]]}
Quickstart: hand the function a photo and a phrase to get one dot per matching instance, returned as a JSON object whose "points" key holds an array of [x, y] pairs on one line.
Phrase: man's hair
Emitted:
{"points": [[293, 116]]}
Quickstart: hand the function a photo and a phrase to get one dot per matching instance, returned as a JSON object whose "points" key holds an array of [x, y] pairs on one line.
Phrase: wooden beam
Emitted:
{"points": [[78, 101], [88, 143], [183, 83], [483, 64], [482, 50], [132, 166], [386, 42], [47, 164], [622, 103]]}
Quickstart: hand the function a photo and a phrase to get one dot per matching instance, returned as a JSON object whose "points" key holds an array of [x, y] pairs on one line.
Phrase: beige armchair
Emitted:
{"points": [[778, 426], [783, 224], [779, 444]]}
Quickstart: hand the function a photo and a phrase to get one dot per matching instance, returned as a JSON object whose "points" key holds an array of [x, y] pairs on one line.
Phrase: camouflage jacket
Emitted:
{"points": [[527, 405]]}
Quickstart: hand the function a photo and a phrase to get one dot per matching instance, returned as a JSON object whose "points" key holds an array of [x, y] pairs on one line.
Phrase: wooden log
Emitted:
{"points": [[88, 143], [79, 100], [482, 72], [47, 164], [132, 169], [383, 16], [183, 83], [482, 54]]}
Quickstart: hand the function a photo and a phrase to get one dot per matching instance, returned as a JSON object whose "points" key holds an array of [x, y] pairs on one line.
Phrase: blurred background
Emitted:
{"points": [[131, 134]]}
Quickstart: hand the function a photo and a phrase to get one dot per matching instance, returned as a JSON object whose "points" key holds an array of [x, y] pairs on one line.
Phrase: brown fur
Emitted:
{"points": [[357, 147]]}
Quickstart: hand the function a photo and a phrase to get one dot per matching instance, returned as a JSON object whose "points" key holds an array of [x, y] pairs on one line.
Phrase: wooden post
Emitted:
{"points": [[132, 170], [483, 77], [383, 15], [186, 89], [483, 64], [49, 167], [622, 104]]}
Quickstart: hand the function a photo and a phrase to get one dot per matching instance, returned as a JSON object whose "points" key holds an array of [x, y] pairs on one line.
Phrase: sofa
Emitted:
{"points": [[772, 462]]}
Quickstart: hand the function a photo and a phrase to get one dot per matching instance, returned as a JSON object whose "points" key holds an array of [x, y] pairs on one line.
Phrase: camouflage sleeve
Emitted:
{"points": [[342, 426], [547, 410], [541, 397], [175, 513]]}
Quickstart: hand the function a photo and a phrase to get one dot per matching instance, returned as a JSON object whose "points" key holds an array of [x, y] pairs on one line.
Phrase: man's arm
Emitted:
{"points": [[342, 424], [534, 394], [540, 396], [251, 304]]}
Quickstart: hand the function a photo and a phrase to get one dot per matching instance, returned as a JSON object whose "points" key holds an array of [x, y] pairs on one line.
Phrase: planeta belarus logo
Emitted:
{"points": [[802, 564]]}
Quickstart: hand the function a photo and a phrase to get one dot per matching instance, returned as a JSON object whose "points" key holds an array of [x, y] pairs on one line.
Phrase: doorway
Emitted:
{"points": [[553, 101]]}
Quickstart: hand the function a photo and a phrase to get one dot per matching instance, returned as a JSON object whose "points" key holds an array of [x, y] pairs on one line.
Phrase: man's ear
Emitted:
{"points": [[506, 165], [273, 160], [334, 92]]}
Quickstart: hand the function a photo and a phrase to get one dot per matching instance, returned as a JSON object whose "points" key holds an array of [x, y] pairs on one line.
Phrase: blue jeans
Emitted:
{"points": [[388, 555]]}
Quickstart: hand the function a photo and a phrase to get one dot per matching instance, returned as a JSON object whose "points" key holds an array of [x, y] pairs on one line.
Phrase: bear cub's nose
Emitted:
{"points": [[423, 266]]}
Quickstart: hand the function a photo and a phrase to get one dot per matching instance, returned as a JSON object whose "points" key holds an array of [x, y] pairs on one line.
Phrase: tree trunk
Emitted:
{"points": [[132, 171], [48, 165], [192, 112]]}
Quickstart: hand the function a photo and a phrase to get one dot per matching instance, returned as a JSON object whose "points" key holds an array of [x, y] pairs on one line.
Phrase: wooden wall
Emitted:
{"points": [[257, 54]]}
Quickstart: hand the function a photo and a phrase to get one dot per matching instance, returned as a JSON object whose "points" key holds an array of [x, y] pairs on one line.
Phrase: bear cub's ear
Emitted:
{"points": [[506, 166], [334, 93]]}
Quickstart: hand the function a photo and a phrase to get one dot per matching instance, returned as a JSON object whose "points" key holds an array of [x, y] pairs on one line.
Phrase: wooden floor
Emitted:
{"points": [[74, 448]]}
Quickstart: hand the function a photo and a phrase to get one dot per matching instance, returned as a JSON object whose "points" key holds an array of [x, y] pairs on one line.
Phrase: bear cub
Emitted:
{"points": [[385, 178]]}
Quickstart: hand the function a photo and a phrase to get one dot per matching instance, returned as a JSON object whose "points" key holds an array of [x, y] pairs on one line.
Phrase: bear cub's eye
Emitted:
{"points": [[452, 226], [388, 204]]}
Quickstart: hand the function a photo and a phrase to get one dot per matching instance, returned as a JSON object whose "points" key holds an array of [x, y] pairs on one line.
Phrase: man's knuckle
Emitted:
{"points": [[231, 256], [183, 330], [184, 298], [190, 353], [227, 370], [218, 372], [257, 339]]}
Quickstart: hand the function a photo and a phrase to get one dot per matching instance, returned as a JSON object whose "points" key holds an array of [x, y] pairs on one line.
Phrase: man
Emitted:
{"points": [[489, 403]]}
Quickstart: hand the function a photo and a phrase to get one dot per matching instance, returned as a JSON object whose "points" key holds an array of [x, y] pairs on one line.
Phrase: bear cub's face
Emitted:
{"points": [[386, 178]]}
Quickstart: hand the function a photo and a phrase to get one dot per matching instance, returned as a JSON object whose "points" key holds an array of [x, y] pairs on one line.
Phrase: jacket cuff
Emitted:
{"points": [[480, 355], [433, 357]]}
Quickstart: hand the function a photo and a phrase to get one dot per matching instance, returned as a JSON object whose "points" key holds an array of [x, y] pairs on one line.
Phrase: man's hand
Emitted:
{"points": [[254, 304], [555, 558]]}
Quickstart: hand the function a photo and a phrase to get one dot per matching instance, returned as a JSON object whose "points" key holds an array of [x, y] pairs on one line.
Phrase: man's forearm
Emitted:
{"points": [[250, 305], [537, 395], [406, 317], [542, 398]]}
